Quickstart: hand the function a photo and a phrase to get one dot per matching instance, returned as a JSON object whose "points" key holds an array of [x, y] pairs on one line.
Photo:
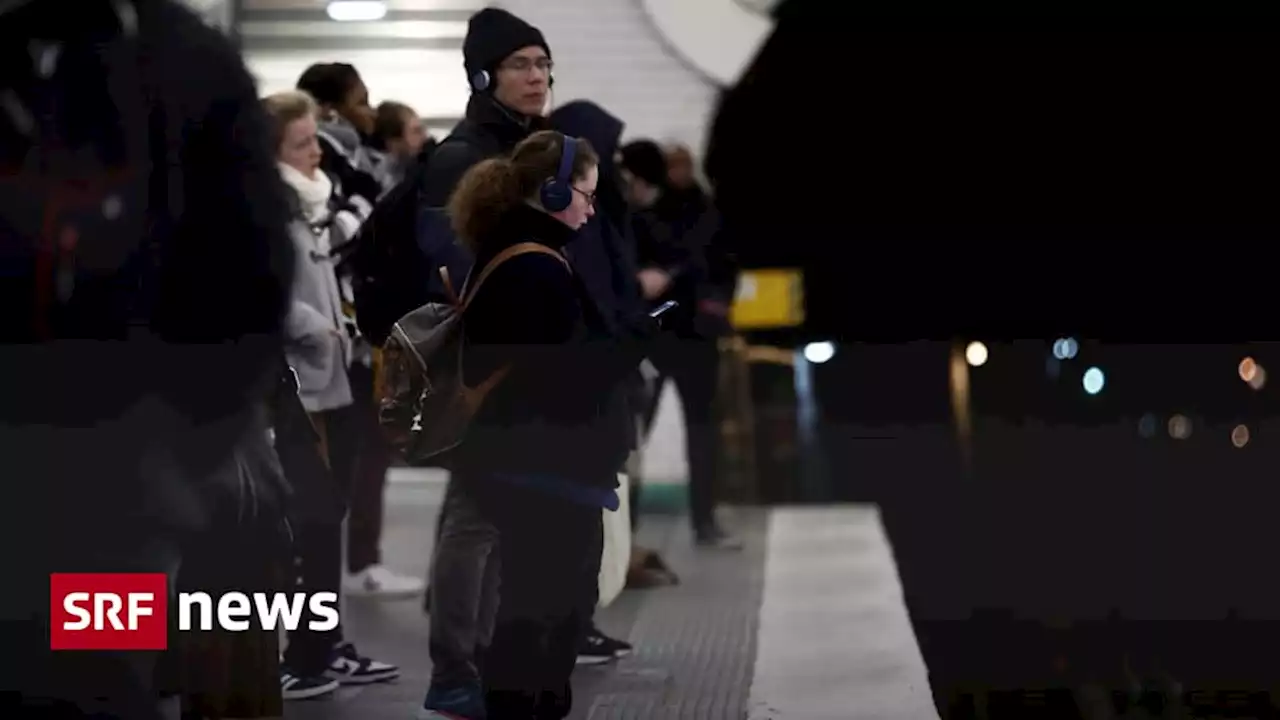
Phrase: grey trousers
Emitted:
{"points": [[464, 589]]}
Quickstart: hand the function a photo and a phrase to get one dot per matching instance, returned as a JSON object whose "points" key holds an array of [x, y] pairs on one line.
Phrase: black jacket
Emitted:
{"points": [[182, 272], [351, 180], [603, 255], [682, 235], [487, 130], [532, 314]]}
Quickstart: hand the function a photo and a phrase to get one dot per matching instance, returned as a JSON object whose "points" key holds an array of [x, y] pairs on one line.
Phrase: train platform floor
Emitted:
{"points": [[806, 622]]}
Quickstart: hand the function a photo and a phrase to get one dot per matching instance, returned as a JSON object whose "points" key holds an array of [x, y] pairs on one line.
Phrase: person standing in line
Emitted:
{"points": [[346, 123], [398, 134], [676, 252], [538, 464], [346, 120], [136, 188], [319, 349], [605, 261], [508, 65]]}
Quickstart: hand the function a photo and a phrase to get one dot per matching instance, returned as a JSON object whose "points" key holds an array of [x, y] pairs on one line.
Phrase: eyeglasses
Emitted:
{"points": [[590, 197], [524, 64]]}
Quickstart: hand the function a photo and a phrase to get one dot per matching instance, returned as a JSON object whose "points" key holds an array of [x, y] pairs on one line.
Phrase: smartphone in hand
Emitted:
{"points": [[663, 309]]}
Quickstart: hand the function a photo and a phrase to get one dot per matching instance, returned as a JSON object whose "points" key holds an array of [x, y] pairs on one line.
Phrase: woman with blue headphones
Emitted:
{"points": [[535, 464]]}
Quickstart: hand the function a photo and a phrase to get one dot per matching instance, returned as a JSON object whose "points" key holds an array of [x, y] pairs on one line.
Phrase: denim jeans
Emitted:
{"points": [[464, 588]]}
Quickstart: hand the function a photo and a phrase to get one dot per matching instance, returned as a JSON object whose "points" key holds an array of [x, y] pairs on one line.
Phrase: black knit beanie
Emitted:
{"points": [[492, 35]]}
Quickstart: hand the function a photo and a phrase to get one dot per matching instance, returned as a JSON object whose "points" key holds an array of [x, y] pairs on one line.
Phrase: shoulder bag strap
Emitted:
{"points": [[469, 291], [473, 396]]}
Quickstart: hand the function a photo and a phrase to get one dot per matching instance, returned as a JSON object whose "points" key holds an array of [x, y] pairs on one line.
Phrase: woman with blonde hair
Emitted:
{"points": [[319, 347]]}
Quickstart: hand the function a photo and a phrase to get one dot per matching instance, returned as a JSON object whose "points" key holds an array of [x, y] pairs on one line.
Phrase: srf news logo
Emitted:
{"points": [[130, 611]]}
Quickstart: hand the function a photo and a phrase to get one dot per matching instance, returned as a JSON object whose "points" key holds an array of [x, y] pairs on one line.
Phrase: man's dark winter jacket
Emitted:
{"points": [[487, 130]]}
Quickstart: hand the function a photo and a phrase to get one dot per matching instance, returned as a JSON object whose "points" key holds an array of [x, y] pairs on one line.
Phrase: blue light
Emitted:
{"points": [[1065, 348], [1094, 380]]}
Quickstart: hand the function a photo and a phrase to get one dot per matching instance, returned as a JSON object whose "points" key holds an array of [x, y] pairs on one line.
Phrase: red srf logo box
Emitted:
{"points": [[109, 611]]}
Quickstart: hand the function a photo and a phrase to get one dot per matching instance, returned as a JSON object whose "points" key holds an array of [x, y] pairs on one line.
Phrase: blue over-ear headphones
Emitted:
{"points": [[557, 192]]}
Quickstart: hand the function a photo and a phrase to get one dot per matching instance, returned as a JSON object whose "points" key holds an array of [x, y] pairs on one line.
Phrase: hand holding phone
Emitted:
{"points": [[663, 309]]}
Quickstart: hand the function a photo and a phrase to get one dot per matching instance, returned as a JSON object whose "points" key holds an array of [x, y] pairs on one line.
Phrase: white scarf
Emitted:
{"points": [[313, 192]]}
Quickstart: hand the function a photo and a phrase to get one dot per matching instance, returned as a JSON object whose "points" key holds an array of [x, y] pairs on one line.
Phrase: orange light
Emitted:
{"points": [[1248, 369], [1259, 379]]}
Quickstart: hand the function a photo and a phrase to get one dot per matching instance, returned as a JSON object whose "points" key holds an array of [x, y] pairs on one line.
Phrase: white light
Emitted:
{"points": [[1065, 348], [1094, 380], [357, 10], [819, 352], [976, 354]]}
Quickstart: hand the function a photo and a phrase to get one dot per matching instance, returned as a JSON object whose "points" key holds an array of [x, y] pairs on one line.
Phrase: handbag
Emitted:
{"points": [[616, 558]]}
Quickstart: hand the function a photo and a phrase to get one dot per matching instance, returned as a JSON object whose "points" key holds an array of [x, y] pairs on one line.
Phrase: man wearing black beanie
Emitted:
{"points": [[508, 67]]}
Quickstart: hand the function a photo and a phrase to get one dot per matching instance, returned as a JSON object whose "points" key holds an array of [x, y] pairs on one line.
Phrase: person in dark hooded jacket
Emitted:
{"points": [[603, 258], [147, 270]]}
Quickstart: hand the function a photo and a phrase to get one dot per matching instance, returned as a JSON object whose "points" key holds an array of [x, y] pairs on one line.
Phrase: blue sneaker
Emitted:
{"points": [[457, 703]]}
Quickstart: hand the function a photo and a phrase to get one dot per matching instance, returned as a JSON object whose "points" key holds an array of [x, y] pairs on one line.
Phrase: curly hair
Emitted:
{"points": [[495, 187]]}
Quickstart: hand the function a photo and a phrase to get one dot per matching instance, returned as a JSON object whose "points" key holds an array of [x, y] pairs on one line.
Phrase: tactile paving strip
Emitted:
{"points": [[695, 644]]}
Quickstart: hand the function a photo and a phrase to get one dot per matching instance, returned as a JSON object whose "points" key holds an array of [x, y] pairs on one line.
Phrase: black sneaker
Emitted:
{"points": [[351, 668], [598, 648], [297, 687]]}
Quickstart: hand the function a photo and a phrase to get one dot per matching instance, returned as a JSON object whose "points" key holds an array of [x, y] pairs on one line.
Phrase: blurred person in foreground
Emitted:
{"points": [[1046, 556], [147, 272], [679, 250], [538, 464], [248, 547]]}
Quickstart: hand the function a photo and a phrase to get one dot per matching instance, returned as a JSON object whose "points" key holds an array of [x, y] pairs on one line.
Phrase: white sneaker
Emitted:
{"points": [[378, 581]]}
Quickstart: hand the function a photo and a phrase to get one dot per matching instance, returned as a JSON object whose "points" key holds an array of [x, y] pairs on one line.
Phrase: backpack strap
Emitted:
{"points": [[463, 299], [472, 397]]}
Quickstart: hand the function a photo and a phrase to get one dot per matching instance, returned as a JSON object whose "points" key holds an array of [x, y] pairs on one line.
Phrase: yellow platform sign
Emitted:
{"points": [[768, 299]]}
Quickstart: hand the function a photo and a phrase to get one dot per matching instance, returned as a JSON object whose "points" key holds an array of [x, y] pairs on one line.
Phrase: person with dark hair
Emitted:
{"points": [[508, 66], [147, 272], [605, 260], [346, 123], [538, 463], [399, 135], [677, 248]]}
